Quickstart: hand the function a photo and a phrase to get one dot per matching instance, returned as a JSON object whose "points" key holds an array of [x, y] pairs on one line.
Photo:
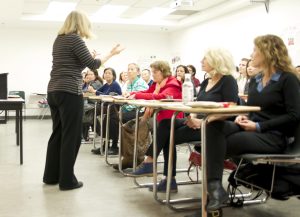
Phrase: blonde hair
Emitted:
{"points": [[220, 60], [162, 66], [274, 52], [77, 22]]}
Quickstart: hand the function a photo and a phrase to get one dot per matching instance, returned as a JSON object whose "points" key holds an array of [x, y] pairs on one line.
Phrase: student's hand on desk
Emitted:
{"points": [[131, 96], [126, 94], [193, 123], [247, 125]]}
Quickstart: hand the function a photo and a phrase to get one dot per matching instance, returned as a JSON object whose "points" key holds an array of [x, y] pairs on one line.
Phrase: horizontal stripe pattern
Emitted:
{"points": [[70, 57]]}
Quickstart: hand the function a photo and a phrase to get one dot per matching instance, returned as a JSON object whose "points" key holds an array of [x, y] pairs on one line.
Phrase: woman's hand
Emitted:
{"points": [[193, 123], [126, 94], [91, 89], [116, 50], [247, 125], [94, 54], [240, 119], [131, 96]]}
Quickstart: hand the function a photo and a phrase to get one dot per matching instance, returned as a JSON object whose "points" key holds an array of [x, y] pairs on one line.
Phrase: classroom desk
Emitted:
{"points": [[15, 104], [207, 112]]}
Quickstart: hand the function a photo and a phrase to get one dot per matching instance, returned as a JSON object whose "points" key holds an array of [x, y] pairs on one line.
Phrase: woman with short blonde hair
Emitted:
{"points": [[220, 60], [70, 57]]}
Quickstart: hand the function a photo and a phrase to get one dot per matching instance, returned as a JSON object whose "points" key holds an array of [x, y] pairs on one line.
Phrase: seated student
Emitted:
{"points": [[123, 81], [181, 70], [164, 86], [251, 72], [264, 132], [193, 71], [111, 87], [242, 76], [95, 81], [146, 76], [134, 83], [219, 87], [92, 79]]}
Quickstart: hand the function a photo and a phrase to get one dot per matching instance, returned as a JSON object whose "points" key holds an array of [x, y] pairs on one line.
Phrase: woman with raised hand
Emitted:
{"points": [[70, 57]]}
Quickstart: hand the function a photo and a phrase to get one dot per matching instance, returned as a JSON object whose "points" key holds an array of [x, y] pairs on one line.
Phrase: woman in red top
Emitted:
{"points": [[165, 86]]}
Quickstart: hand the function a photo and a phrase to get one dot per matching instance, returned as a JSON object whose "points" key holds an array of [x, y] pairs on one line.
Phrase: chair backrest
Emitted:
{"points": [[294, 147], [17, 92]]}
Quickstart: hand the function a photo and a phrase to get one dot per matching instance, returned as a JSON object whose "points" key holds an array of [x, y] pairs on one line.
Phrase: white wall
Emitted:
{"points": [[237, 31], [26, 53]]}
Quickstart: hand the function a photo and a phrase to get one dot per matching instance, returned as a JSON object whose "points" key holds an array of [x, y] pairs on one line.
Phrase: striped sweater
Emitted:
{"points": [[70, 57]]}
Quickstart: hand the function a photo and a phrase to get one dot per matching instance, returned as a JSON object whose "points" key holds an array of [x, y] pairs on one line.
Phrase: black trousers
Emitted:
{"points": [[226, 139], [182, 134], [63, 146], [129, 115]]}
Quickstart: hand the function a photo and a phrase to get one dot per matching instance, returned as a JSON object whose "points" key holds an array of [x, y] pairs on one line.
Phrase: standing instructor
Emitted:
{"points": [[70, 57]]}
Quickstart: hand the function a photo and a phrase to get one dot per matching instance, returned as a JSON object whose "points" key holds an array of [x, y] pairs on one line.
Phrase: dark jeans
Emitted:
{"points": [[225, 138], [63, 146], [183, 134]]}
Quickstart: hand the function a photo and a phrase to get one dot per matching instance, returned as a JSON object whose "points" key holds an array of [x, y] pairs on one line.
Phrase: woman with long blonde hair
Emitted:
{"points": [[70, 57]]}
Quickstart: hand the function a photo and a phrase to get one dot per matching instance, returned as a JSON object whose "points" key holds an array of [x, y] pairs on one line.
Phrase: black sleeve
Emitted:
{"points": [[82, 52], [230, 89], [291, 97]]}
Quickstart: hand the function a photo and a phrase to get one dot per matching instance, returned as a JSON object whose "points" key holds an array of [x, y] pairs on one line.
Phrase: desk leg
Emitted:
{"points": [[101, 128], [203, 161], [107, 134], [155, 156], [18, 126], [95, 122], [171, 153], [136, 136], [120, 139], [21, 136]]}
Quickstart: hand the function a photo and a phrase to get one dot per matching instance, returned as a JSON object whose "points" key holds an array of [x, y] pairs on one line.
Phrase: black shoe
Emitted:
{"points": [[113, 151], [217, 195], [96, 151], [78, 185], [50, 182]]}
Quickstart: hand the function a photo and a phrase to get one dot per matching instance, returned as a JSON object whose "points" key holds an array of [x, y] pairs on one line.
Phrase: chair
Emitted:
{"points": [[21, 94], [289, 158]]}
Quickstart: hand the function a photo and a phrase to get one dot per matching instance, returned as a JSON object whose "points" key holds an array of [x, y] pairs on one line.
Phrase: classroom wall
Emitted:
{"points": [[26, 53], [237, 31]]}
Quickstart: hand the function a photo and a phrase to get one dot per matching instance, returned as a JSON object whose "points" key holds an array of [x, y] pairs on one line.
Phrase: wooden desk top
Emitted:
{"points": [[12, 100], [230, 109]]}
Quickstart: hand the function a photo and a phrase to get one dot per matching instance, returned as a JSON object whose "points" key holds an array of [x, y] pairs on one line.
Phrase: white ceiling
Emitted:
{"points": [[12, 12]]}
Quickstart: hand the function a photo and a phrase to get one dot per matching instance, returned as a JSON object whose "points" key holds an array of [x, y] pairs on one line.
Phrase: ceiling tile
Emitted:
{"points": [[150, 3]]}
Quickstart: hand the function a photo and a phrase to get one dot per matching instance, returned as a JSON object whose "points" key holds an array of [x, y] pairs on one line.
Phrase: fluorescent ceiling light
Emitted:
{"points": [[110, 11], [156, 13], [60, 8]]}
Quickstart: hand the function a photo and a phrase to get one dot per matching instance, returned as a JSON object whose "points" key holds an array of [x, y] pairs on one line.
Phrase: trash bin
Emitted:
{"points": [[3, 85]]}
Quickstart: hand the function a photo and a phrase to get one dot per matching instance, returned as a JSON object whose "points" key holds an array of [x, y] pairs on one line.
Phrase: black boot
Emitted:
{"points": [[217, 195]]}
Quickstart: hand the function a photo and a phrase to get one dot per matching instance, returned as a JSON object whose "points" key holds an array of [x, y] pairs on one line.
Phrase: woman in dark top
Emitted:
{"points": [[220, 87], [275, 90], [70, 57], [110, 88]]}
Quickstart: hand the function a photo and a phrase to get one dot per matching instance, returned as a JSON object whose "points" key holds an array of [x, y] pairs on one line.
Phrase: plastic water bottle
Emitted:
{"points": [[187, 89]]}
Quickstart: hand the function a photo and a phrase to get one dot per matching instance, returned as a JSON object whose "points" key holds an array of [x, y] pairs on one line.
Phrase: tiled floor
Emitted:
{"points": [[106, 193]]}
